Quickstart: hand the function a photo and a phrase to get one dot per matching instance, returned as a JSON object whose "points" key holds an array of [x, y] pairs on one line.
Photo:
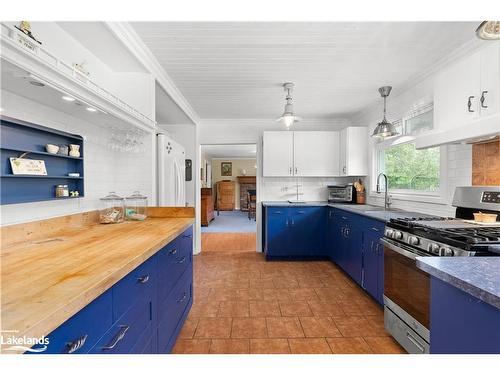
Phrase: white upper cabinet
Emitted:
{"points": [[354, 151], [277, 154], [468, 90], [316, 153]]}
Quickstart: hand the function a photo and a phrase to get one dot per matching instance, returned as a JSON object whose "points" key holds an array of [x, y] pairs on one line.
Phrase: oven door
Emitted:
{"points": [[406, 288]]}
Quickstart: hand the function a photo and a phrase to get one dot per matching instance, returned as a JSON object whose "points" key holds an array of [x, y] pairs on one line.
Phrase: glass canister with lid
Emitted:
{"points": [[113, 209], [135, 206]]}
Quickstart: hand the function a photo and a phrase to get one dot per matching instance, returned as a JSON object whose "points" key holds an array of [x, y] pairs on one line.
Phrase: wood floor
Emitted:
{"points": [[228, 242], [243, 304]]}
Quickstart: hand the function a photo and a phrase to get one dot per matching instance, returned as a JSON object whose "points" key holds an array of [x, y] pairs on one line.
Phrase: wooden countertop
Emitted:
{"points": [[45, 281]]}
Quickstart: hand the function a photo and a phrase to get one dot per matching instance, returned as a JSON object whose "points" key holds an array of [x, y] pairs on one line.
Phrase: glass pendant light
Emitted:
{"points": [[288, 117], [384, 129], [489, 30]]}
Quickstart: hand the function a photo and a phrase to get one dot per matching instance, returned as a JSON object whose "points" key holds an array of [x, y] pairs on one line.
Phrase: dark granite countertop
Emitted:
{"points": [[373, 212], [478, 276]]}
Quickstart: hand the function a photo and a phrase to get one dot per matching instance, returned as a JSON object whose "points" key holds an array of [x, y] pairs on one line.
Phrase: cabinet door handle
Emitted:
{"points": [[187, 236], [483, 99], [119, 337], [343, 169], [292, 222], [469, 103], [172, 252], [143, 279], [371, 247], [286, 223], [75, 345], [184, 296], [182, 260], [296, 170], [290, 170]]}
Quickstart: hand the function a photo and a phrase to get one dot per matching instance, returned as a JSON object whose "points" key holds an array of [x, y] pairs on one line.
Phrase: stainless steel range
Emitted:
{"points": [[406, 287]]}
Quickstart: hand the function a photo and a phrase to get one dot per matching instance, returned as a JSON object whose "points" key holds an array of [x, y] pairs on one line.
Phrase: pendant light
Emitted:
{"points": [[489, 30], [384, 129], [288, 117]]}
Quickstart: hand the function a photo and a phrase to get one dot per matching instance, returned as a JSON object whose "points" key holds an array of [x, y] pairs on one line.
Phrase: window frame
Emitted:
{"points": [[438, 196]]}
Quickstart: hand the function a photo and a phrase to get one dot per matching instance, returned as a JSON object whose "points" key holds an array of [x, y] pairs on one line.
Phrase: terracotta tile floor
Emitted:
{"points": [[243, 304]]}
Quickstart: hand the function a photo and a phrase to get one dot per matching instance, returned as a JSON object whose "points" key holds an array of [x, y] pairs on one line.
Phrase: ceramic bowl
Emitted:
{"points": [[52, 149]]}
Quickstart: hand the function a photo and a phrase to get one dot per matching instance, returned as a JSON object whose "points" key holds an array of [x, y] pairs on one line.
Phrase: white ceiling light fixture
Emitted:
{"points": [[288, 117], [488, 30], [384, 128]]}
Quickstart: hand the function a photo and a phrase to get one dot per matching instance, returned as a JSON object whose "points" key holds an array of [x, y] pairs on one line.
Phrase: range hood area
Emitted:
{"points": [[467, 99]]}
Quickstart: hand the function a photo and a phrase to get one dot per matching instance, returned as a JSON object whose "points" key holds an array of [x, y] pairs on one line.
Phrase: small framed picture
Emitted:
{"points": [[226, 168], [28, 167]]}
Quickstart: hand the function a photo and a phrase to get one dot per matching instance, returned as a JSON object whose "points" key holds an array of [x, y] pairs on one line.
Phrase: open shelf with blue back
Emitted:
{"points": [[20, 137]]}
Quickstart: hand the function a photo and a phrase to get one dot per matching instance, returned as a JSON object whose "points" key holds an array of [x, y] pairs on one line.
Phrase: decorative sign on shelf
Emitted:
{"points": [[28, 166]]}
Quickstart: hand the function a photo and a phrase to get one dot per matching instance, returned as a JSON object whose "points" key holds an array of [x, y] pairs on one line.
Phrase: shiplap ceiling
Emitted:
{"points": [[235, 70], [229, 151]]}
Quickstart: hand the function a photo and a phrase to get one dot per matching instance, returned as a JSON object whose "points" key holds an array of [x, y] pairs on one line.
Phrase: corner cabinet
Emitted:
{"points": [[301, 154], [142, 313]]}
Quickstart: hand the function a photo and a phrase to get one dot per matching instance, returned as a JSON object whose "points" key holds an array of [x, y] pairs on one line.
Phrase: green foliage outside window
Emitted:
{"points": [[408, 168]]}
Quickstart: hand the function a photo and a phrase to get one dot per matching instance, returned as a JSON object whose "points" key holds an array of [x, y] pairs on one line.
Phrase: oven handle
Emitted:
{"points": [[398, 249]]}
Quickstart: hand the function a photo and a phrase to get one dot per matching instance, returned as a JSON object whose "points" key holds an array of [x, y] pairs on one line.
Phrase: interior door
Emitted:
{"points": [[316, 153], [277, 154]]}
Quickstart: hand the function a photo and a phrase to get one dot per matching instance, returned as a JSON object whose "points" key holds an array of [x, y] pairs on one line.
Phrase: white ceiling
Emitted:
{"points": [[235, 70], [99, 39], [229, 151]]}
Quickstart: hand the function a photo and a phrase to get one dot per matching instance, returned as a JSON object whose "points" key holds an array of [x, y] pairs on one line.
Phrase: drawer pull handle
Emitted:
{"points": [[172, 252], [415, 342], [143, 279], [344, 218], [119, 337], [77, 344], [182, 260], [375, 229], [184, 296], [187, 236]]}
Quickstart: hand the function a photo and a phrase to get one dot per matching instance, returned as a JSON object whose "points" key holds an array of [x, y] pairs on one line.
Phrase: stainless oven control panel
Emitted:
{"points": [[491, 197]]}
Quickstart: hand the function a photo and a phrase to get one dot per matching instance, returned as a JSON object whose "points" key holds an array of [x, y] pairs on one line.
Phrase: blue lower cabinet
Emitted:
{"points": [[142, 313], [295, 232], [373, 259], [80, 333], [354, 252], [461, 323], [123, 336], [173, 311]]}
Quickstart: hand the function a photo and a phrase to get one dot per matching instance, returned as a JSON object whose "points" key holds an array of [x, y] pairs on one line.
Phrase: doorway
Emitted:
{"points": [[228, 197]]}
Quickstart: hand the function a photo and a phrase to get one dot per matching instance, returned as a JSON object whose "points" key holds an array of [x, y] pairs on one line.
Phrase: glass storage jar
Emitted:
{"points": [[112, 210], [135, 206]]}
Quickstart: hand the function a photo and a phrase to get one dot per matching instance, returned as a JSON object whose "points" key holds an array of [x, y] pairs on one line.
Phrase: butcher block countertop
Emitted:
{"points": [[46, 279]]}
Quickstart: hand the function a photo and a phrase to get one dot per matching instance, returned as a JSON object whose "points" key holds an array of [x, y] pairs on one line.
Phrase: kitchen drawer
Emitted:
{"points": [[173, 260], [138, 284], [80, 333], [122, 337], [172, 309]]}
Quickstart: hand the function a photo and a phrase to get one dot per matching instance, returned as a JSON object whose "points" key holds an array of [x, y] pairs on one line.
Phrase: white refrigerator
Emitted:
{"points": [[171, 172]]}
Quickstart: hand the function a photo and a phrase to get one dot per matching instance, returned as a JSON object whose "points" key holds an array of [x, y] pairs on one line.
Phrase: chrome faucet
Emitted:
{"points": [[387, 198]]}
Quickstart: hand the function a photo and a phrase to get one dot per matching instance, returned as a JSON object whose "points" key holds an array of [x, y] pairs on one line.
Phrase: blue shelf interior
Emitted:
{"points": [[20, 137]]}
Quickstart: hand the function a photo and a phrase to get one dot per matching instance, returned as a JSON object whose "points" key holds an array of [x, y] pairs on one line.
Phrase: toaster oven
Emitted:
{"points": [[344, 194]]}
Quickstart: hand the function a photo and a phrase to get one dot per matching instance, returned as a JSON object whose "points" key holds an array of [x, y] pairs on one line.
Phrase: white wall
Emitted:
{"points": [[458, 157], [104, 170]]}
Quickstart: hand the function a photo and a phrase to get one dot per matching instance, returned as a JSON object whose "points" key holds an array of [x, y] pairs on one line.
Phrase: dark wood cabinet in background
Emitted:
{"points": [[246, 183], [207, 206], [225, 196]]}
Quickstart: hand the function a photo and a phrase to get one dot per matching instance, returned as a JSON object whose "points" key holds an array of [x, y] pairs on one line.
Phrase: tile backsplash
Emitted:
{"points": [[486, 163]]}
